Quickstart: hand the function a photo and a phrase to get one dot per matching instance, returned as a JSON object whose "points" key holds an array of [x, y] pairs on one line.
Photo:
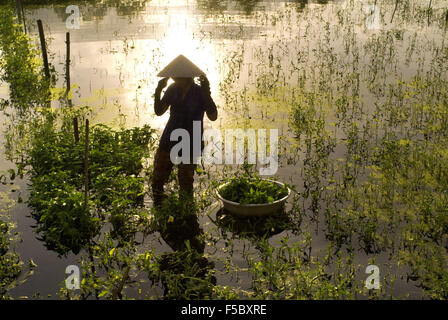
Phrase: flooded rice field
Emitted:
{"points": [[357, 90]]}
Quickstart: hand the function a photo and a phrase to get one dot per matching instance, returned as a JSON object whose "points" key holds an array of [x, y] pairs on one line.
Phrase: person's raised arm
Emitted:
{"points": [[160, 105], [209, 104]]}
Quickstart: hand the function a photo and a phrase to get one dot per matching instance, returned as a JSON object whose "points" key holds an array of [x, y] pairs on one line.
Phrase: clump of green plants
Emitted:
{"points": [[21, 67], [184, 274], [369, 150], [285, 272], [253, 189], [177, 222], [10, 264], [65, 217], [13, 270]]}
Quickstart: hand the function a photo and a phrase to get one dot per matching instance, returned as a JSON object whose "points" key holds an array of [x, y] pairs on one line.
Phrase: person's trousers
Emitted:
{"points": [[162, 170]]}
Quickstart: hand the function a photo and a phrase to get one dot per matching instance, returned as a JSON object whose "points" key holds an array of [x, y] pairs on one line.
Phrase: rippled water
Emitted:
{"points": [[118, 50]]}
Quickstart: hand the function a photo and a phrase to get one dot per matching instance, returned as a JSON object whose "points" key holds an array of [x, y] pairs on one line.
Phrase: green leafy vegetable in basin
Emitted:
{"points": [[246, 190]]}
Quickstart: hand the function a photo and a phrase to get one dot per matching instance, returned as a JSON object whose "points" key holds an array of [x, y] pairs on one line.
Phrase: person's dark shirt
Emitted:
{"points": [[183, 112]]}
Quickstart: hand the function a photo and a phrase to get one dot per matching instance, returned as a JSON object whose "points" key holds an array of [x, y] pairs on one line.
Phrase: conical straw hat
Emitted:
{"points": [[181, 67]]}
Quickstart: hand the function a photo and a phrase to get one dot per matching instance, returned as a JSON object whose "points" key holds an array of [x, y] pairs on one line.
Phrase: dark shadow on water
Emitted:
{"points": [[176, 219], [300, 4], [253, 227], [177, 233], [219, 6], [184, 273]]}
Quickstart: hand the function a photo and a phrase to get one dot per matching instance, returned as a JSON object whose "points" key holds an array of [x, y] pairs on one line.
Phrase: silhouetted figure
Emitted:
{"points": [[187, 102]]}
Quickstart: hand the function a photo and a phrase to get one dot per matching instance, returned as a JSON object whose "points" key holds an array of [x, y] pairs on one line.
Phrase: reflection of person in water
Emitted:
{"points": [[187, 102]]}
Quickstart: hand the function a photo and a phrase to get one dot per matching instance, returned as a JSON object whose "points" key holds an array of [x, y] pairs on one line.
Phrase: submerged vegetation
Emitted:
{"points": [[13, 271], [363, 113]]}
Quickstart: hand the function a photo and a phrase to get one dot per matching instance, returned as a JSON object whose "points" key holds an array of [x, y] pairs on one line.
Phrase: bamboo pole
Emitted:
{"points": [[20, 14], [446, 19], [92, 268], [86, 164], [395, 9], [44, 48], [67, 62], [23, 16], [429, 12], [67, 80], [19, 11], [75, 129]]}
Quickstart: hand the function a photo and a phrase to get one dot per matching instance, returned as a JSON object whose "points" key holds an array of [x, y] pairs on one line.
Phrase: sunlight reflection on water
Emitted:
{"points": [[116, 55]]}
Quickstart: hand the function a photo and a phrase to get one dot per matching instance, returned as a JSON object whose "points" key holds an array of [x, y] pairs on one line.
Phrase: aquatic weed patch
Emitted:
{"points": [[115, 187], [253, 190]]}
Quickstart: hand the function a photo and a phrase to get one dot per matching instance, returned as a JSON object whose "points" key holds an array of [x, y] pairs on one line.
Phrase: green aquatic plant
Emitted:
{"points": [[253, 190], [13, 270], [115, 190], [365, 145], [184, 274], [21, 67]]}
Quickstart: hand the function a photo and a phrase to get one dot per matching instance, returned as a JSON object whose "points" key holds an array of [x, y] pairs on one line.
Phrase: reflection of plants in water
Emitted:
{"points": [[300, 4], [217, 6], [94, 9], [176, 220], [363, 129], [247, 5], [248, 227], [369, 157], [370, 190], [212, 6], [12, 270], [183, 274], [286, 272]]}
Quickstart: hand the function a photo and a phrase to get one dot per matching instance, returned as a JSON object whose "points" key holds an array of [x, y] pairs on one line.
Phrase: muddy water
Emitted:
{"points": [[117, 52]]}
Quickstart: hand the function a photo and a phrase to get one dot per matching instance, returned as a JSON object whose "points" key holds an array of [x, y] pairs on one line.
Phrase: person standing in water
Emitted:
{"points": [[187, 102]]}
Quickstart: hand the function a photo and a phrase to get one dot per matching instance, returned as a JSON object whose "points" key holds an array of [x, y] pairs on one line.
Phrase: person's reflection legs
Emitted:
{"points": [[180, 223], [185, 273]]}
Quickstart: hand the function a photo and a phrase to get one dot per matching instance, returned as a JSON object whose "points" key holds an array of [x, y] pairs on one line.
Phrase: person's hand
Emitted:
{"points": [[162, 83], [205, 85]]}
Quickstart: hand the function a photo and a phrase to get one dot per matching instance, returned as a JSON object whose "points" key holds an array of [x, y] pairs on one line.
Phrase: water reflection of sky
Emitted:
{"points": [[119, 49], [116, 55]]}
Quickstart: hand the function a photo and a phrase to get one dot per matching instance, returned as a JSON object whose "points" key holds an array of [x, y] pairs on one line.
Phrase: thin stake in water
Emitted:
{"points": [[86, 163], [75, 128], [67, 80], [429, 12], [67, 64], [20, 14], [44, 48]]}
